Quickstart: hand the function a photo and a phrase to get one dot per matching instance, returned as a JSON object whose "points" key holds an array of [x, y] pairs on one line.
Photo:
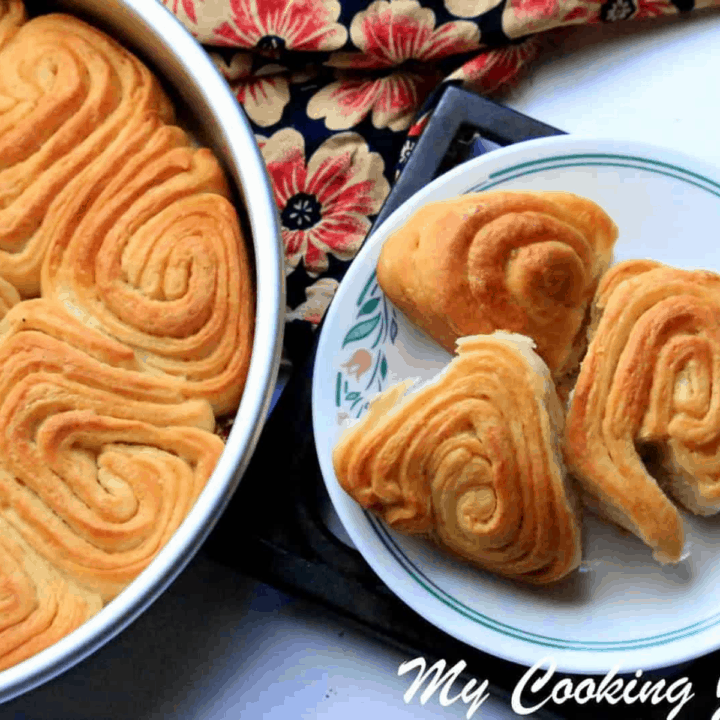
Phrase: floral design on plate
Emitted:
{"points": [[364, 369], [274, 26], [389, 35], [264, 94], [325, 203]]}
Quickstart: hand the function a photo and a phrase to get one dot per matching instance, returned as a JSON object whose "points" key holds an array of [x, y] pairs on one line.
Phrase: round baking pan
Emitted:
{"points": [[146, 28]]}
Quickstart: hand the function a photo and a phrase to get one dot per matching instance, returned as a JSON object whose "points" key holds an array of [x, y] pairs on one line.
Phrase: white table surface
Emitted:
{"points": [[219, 646]]}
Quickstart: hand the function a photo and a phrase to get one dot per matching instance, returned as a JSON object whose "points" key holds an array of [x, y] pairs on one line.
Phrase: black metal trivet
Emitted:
{"points": [[275, 528]]}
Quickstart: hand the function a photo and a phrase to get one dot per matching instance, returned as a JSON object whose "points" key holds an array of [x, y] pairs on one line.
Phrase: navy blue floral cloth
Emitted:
{"points": [[337, 91]]}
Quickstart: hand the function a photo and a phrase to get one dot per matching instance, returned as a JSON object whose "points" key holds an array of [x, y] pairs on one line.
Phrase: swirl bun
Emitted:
{"points": [[12, 16], [73, 105], [99, 464], [526, 262], [160, 264], [645, 416], [472, 461], [9, 297], [110, 380], [38, 605]]}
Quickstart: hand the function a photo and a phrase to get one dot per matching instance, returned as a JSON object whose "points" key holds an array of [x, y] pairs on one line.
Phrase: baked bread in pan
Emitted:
{"points": [[159, 262], [99, 464], [39, 604], [73, 105], [126, 323], [12, 16]]}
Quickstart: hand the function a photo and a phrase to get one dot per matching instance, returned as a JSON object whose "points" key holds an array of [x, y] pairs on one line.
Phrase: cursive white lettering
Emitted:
{"points": [[562, 691], [613, 692], [438, 680], [655, 691], [589, 685], [607, 682], [626, 692], [535, 689], [516, 699], [684, 695], [611, 689], [475, 697]]}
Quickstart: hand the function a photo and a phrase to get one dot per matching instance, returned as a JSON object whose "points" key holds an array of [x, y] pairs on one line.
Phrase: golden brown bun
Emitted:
{"points": [[39, 605], [526, 262], [645, 392], [12, 16], [108, 382], [70, 98], [98, 464], [159, 262], [9, 297], [473, 461]]}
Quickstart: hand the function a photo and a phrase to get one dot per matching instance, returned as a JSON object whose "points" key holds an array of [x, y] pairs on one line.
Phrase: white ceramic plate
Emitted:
{"points": [[621, 608]]}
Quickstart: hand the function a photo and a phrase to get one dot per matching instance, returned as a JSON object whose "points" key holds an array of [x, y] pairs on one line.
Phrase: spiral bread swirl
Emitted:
{"points": [[9, 297], [98, 464], [647, 391], [526, 262], [12, 16], [160, 264], [70, 97], [38, 605], [110, 381], [472, 460]]}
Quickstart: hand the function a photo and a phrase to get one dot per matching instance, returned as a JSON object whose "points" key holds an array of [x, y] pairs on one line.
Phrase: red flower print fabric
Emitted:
{"points": [[275, 26], [186, 6], [263, 94], [318, 299], [493, 70], [338, 91], [389, 35], [391, 102], [325, 202]]}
